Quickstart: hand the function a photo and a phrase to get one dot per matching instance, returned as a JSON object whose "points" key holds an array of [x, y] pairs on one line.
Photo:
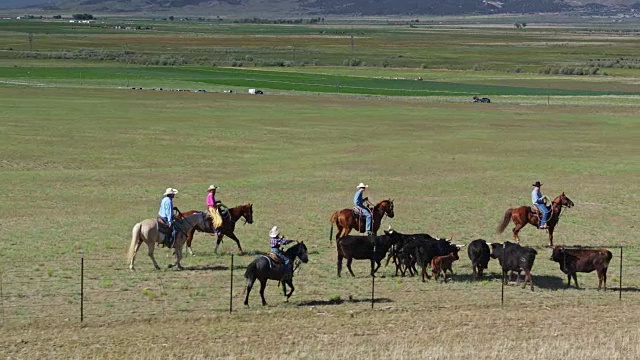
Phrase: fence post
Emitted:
{"points": [[81, 286], [2, 295], [620, 288], [231, 288], [373, 276], [503, 272]]}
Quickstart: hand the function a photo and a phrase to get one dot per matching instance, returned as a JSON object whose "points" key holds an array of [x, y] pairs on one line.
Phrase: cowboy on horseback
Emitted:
{"points": [[358, 201], [212, 206], [165, 215], [275, 242], [539, 201]]}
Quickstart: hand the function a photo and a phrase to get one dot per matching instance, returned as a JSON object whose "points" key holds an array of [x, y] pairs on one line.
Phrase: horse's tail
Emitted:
{"points": [[250, 273], [333, 220], [135, 237], [505, 221]]}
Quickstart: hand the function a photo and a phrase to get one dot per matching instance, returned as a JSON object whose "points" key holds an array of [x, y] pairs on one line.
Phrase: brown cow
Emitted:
{"points": [[443, 263], [573, 261]]}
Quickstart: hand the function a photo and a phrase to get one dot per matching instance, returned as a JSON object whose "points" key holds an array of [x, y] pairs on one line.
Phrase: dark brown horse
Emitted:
{"points": [[228, 225], [345, 221], [524, 215]]}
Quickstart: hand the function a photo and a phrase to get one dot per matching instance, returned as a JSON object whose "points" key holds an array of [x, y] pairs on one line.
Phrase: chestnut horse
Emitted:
{"points": [[228, 225], [345, 220], [523, 215]]}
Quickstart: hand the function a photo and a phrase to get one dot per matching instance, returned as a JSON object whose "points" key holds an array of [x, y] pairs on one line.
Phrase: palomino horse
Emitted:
{"points": [[228, 225], [523, 215], [345, 220], [147, 231], [263, 269]]}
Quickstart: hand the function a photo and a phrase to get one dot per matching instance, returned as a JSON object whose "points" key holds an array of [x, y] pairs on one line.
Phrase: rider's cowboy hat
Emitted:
{"points": [[274, 232], [212, 187], [170, 191], [362, 186], [537, 184]]}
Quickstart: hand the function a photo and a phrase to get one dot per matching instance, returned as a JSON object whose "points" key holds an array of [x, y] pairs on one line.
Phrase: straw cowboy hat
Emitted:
{"points": [[170, 191], [212, 187], [362, 185], [536, 184], [274, 232]]}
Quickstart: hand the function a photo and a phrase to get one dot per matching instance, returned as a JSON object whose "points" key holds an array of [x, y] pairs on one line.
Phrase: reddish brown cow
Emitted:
{"points": [[573, 261], [443, 263]]}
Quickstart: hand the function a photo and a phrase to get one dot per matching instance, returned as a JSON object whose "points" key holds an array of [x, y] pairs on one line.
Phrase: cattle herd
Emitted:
{"points": [[412, 251]]}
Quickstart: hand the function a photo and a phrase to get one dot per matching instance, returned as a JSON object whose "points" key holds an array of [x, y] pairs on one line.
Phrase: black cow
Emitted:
{"points": [[479, 254], [421, 249], [362, 247], [583, 260], [513, 257]]}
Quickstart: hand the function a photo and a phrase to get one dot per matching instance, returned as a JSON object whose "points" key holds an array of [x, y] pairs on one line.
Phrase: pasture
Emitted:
{"points": [[83, 159]]}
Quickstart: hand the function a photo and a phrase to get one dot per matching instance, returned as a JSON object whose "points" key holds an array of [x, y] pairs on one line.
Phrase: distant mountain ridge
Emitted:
{"points": [[323, 7]]}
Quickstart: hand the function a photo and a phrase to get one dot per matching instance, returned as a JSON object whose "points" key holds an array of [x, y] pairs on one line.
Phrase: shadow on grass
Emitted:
{"points": [[340, 301], [213, 267]]}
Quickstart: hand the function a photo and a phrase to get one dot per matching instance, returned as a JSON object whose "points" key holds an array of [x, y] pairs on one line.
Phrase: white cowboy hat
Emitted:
{"points": [[170, 191], [212, 187], [362, 185], [274, 232]]}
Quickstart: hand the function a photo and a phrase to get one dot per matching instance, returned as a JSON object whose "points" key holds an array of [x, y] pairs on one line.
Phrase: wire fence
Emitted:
{"points": [[102, 289]]}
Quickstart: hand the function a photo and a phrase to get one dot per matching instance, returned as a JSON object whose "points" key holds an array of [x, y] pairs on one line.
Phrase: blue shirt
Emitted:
{"points": [[357, 199], [166, 209], [536, 196]]}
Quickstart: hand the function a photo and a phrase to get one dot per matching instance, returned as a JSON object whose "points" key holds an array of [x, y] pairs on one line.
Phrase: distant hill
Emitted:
{"points": [[274, 8]]}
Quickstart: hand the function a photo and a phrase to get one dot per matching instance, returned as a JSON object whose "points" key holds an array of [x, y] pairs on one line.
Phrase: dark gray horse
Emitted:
{"points": [[263, 269]]}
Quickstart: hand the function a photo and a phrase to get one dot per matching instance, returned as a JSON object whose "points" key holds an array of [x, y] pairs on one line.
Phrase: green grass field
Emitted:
{"points": [[83, 158]]}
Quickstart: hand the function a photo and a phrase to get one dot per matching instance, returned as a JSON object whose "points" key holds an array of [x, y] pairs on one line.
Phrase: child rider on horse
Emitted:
{"points": [[276, 240]]}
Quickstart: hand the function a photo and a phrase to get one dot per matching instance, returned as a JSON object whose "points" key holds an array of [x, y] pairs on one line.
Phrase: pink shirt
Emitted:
{"points": [[211, 201]]}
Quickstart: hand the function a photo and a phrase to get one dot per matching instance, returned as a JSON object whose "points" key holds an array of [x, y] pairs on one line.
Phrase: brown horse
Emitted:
{"points": [[524, 215], [345, 221], [228, 225]]}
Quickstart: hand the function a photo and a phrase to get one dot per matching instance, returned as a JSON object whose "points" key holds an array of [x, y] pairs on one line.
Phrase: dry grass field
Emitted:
{"points": [[83, 158], [81, 166]]}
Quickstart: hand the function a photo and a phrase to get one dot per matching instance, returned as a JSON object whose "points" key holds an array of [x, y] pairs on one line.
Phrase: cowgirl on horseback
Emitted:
{"points": [[212, 206]]}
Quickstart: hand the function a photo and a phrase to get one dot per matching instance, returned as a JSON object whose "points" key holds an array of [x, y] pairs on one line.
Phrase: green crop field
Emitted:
{"points": [[83, 157]]}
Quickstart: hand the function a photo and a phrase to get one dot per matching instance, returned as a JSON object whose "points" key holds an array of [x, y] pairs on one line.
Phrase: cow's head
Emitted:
{"points": [[495, 248], [558, 254]]}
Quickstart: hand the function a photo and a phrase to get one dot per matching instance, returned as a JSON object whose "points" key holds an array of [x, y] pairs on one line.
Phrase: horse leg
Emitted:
{"points": [[250, 282], [550, 236], [189, 240], [135, 251], [151, 247], [349, 260], [339, 264], [516, 229], [290, 282], [263, 284], [179, 257], [233, 237], [339, 230], [218, 241]]}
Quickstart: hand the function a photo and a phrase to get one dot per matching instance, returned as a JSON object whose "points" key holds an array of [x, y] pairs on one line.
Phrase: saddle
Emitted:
{"points": [[163, 228], [536, 212], [275, 258]]}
